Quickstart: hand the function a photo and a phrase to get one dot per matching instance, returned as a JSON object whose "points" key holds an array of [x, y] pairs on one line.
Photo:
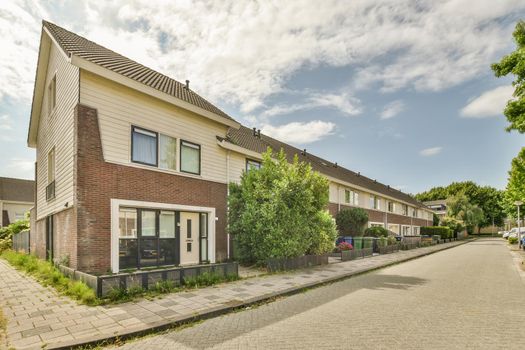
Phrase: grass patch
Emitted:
{"points": [[47, 274]]}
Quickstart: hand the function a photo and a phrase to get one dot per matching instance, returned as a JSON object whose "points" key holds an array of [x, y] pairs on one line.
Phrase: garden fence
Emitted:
{"points": [[21, 241]]}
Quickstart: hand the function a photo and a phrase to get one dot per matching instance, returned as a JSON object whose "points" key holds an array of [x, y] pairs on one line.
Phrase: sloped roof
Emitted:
{"points": [[436, 202], [244, 137], [17, 190], [73, 44]]}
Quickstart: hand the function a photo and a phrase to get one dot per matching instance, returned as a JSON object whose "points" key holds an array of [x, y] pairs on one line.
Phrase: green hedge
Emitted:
{"points": [[443, 231], [376, 231]]}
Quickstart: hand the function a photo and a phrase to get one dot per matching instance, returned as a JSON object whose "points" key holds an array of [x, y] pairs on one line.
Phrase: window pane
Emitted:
{"points": [[144, 146], [347, 196], [252, 164], [167, 224], [127, 223], [188, 228], [190, 158], [51, 166], [204, 225], [168, 152], [167, 252], [188, 247], [148, 223], [204, 249], [127, 253], [148, 252]]}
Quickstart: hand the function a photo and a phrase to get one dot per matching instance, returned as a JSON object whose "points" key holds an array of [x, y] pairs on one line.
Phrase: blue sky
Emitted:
{"points": [[401, 90]]}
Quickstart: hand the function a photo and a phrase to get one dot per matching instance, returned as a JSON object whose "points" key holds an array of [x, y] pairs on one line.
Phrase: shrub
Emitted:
{"points": [[442, 231], [455, 225], [344, 246], [376, 231], [513, 240], [279, 211], [351, 221]]}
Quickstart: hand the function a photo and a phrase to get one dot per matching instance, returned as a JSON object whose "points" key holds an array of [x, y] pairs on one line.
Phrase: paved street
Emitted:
{"points": [[37, 316], [469, 297]]}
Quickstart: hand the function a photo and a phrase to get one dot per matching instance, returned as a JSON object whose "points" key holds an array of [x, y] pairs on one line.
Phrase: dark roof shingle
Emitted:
{"points": [[245, 138], [73, 44], [17, 190]]}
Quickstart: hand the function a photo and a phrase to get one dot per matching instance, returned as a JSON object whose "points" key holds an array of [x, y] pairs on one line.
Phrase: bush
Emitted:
{"points": [[279, 211], [376, 231], [513, 240], [454, 224], [7, 232], [207, 279], [442, 231], [350, 222]]}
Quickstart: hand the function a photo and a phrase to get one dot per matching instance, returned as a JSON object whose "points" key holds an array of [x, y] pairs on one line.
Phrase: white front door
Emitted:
{"points": [[189, 238]]}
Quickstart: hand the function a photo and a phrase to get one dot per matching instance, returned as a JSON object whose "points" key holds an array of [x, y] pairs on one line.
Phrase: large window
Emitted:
{"points": [[168, 152], [190, 157], [147, 238], [252, 164], [51, 166], [391, 207], [375, 202], [351, 197], [144, 146], [404, 209]]}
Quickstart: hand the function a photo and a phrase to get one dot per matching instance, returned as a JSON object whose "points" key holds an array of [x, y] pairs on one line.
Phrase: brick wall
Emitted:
{"points": [[379, 216], [98, 181]]}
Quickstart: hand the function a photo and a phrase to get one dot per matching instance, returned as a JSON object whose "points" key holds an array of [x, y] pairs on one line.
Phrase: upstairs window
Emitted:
{"points": [[144, 146], [252, 164], [375, 202], [405, 209], [190, 158], [391, 207], [168, 152], [348, 196], [52, 95]]}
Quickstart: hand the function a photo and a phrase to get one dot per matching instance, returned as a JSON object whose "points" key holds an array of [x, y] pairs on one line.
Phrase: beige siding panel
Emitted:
{"points": [[56, 130], [237, 166], [332, 194], [120, 107]]}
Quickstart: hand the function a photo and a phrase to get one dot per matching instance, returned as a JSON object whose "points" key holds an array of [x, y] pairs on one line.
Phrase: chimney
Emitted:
{"points": [[335, 165], [187, 87], [259, 133], [358, 173], [255, 132], [304, 152]]}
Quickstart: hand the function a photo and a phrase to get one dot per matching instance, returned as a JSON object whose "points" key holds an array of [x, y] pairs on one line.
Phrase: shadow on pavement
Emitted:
{"points": [[233, 325]]}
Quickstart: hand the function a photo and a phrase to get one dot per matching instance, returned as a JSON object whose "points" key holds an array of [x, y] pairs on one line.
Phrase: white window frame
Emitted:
{"points": [[52, 95], [51, 165], [116, 204]]}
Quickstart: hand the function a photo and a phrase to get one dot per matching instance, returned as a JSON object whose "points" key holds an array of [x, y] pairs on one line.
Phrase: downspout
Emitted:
{"points": [[227, 206]]}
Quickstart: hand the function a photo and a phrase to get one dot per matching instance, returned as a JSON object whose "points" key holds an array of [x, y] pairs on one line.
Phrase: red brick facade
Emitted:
{"points": [[98, 181], [379, 216]]}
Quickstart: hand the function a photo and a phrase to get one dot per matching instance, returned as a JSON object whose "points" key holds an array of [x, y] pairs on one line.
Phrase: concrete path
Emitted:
{"points": [[469, 297], [37, 316]]}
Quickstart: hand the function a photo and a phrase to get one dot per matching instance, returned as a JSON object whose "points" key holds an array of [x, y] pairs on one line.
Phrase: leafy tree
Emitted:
{"points": [[454, 224], [489, 199], [351, 221], [459, 207], [514, 63], [516, 184], [435, 220], [279, 211]]}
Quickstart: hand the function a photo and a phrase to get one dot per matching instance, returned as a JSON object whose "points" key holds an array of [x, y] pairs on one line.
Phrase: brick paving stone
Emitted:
{"points": [[470, 297], [35, 309]]}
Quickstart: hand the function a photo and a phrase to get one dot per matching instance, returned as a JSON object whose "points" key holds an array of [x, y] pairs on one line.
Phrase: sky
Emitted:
{"points": [[399, 90]]}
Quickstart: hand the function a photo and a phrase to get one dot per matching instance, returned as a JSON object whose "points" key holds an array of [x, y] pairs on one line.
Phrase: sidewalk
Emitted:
{"points": [[38, 317]]}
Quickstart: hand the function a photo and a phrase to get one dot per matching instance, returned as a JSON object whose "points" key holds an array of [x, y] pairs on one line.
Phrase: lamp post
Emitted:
{"points": [[518, 203]]}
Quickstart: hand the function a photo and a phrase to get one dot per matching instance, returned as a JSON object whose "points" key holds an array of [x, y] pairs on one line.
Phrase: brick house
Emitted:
{"points": [[16, 199], [133, 167]]}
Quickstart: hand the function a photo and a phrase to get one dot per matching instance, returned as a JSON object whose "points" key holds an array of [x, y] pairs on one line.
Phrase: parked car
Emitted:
{"points": [[501, 233], [523, 242], [506, 234]]}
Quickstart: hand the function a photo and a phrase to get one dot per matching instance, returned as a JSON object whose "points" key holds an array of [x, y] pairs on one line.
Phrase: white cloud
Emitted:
{"points": [[241, 53], [489, 104], [392, 109], [19, 167], [5, 123], [343, 102], [300, 133], [427, 152]]}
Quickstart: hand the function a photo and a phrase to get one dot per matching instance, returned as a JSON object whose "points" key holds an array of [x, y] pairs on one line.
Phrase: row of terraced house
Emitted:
{"points": [[133, 167]]}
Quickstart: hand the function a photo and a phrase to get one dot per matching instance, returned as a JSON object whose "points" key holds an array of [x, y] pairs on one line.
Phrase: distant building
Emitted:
{"points": [[439, 207], [16, 199]]}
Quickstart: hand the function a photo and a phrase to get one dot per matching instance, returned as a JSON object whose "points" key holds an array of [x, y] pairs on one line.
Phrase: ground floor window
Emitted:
{"points": [[415, 230], [405, 230], [147, 238], [377, 224]]}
